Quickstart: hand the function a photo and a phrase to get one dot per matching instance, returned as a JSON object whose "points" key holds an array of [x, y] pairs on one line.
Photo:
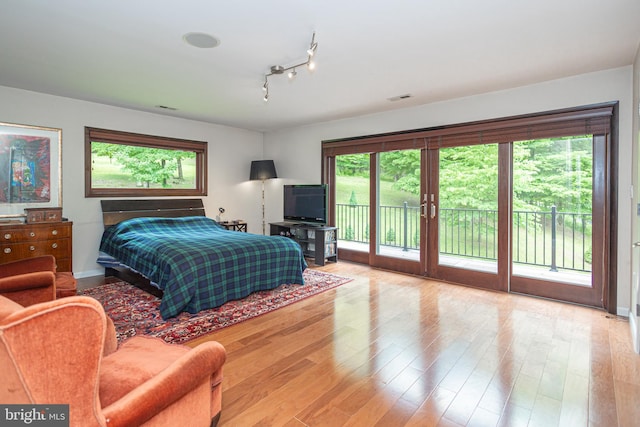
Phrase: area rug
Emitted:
{"points": [[136, 312]]}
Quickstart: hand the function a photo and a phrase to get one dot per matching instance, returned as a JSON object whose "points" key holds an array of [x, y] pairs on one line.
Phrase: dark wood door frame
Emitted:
{"points": [[598, 119]]}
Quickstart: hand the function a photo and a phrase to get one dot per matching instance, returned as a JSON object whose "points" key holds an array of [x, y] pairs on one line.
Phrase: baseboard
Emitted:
{"points": [[633, 323], [622, 311], [89, 273]]}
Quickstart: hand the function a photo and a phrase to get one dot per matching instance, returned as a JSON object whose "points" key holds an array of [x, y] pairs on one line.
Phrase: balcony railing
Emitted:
{"points": [[553, 239]]}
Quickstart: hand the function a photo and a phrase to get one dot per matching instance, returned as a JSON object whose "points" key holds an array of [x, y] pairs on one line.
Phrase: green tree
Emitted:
{"points": [[353, 201], [104, 149], [403, 169], [352, 165], [391, 236], [554, 172], [470, 176], [348, 233], [145, 165]]}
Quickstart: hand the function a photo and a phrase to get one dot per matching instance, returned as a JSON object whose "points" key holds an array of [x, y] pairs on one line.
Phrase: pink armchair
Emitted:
{"points": [[65, 351]]}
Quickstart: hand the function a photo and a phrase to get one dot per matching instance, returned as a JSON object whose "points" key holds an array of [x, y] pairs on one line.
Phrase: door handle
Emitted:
{"points": [[636, 245], [433, 210]]}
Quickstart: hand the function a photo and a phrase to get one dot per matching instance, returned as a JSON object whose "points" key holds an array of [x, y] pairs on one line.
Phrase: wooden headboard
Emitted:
{"points": [[115, 211]]}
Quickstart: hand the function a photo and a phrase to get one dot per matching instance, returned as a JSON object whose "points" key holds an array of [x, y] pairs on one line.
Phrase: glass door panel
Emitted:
{"points": [[468, 207], [552, 215], [398, 204], [352, 201], [553, 227]]}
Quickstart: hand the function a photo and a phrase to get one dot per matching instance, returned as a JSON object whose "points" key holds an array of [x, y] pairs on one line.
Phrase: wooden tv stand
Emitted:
{"points": [[317, 242]]}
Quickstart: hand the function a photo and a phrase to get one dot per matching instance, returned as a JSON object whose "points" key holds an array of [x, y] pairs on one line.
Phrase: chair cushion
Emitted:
{"points": [[136, 361], [66, 284]]}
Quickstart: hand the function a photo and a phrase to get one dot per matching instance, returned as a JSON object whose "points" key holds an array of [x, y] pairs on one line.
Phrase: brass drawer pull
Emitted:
{"points": [[32, 234], [7, 236], [54, 246], [7, 250], [54, 232], [32, 248]]}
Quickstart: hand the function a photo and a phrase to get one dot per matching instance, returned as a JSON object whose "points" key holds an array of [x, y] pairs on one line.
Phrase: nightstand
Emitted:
{"points": [[237, 225]]}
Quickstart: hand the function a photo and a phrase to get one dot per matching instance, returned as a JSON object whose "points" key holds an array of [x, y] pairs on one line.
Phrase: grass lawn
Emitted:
{"points": [[345, 185], [106, 173]]}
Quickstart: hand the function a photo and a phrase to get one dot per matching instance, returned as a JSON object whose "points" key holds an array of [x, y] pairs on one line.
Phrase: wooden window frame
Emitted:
{"points": [[591, 119], [149, 141]]}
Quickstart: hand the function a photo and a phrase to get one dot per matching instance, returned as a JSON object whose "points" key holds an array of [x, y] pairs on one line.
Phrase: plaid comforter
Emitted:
{"points": [[198, 264]]}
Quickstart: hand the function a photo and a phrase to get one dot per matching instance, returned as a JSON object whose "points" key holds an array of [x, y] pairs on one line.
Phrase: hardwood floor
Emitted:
{"points": [[395, 350]]}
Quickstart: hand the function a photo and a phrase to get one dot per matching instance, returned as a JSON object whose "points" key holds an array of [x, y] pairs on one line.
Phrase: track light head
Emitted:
{"points": [[292, 73], [313, 46], [312, 50]]}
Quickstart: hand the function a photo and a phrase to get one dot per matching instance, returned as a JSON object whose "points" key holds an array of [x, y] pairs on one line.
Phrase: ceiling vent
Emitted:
{"points": [[399, 97]]}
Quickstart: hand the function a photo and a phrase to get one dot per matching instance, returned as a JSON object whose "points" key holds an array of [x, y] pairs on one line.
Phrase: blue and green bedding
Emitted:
{"points": [[198, 264]]}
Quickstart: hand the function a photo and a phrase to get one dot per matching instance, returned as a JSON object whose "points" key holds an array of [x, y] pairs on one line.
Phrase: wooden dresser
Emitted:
{"points": [[18, 241]]}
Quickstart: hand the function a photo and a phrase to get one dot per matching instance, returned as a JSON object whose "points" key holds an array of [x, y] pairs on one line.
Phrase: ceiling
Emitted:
{"points": [[132, 54]]}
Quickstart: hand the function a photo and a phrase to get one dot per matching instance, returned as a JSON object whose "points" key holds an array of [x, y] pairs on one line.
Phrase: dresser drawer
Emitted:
{"points": [[59, 248], [34, 233]]}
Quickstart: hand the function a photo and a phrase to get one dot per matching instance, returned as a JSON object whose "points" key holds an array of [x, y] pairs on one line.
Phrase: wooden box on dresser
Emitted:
{"points": [[27, 240]]}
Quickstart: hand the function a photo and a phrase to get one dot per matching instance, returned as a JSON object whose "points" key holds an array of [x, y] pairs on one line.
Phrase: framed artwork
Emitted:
{"points": [[30, 168]]}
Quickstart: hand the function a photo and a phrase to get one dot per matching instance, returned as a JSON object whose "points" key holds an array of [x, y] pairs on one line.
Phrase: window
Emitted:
{"points": [[119, 164]]}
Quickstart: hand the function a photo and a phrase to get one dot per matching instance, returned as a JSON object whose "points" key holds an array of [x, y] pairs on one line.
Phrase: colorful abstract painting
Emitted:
{"points": [[25, 162]]}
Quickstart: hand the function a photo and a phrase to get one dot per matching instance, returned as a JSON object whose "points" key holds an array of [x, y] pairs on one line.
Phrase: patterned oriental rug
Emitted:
{"points": [[136, 312]]}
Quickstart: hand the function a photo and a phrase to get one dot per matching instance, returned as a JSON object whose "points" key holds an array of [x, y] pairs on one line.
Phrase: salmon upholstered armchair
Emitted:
{"points": [[65, 352]]}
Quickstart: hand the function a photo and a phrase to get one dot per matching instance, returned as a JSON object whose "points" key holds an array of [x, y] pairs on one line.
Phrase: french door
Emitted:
{"points": [[525, 217], [517, 205], [464, 211]]}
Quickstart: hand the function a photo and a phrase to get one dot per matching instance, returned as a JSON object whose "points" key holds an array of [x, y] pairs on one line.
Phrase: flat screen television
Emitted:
{"points": [[306, 204]]}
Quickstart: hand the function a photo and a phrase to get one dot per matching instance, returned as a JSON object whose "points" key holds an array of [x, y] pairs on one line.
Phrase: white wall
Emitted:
{"points": [[297, 151], [230, 153], [634, 315]]}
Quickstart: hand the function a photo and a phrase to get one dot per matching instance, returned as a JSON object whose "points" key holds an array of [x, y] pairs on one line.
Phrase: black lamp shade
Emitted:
{"points": [[262, 169]]}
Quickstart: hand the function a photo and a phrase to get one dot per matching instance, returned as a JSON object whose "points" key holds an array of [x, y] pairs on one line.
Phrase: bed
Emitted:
{"points": [[190, 259]]}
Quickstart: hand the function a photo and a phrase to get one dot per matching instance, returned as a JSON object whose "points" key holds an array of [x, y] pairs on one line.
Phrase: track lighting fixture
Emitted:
{"points": [[312, 49], [279, 69]]}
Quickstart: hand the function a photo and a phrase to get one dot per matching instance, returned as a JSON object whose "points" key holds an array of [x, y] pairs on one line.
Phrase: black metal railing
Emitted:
{"points": [[554, 239]]}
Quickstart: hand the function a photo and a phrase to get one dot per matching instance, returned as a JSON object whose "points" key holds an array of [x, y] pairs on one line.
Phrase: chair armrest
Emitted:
{"points": [[31, 288], [21, 282], [60, 347], [29, 265], [168, 386], [110, 339]]}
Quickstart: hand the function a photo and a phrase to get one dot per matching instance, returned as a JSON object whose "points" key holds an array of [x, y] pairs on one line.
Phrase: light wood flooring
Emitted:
{"points": [[390, 349]]}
